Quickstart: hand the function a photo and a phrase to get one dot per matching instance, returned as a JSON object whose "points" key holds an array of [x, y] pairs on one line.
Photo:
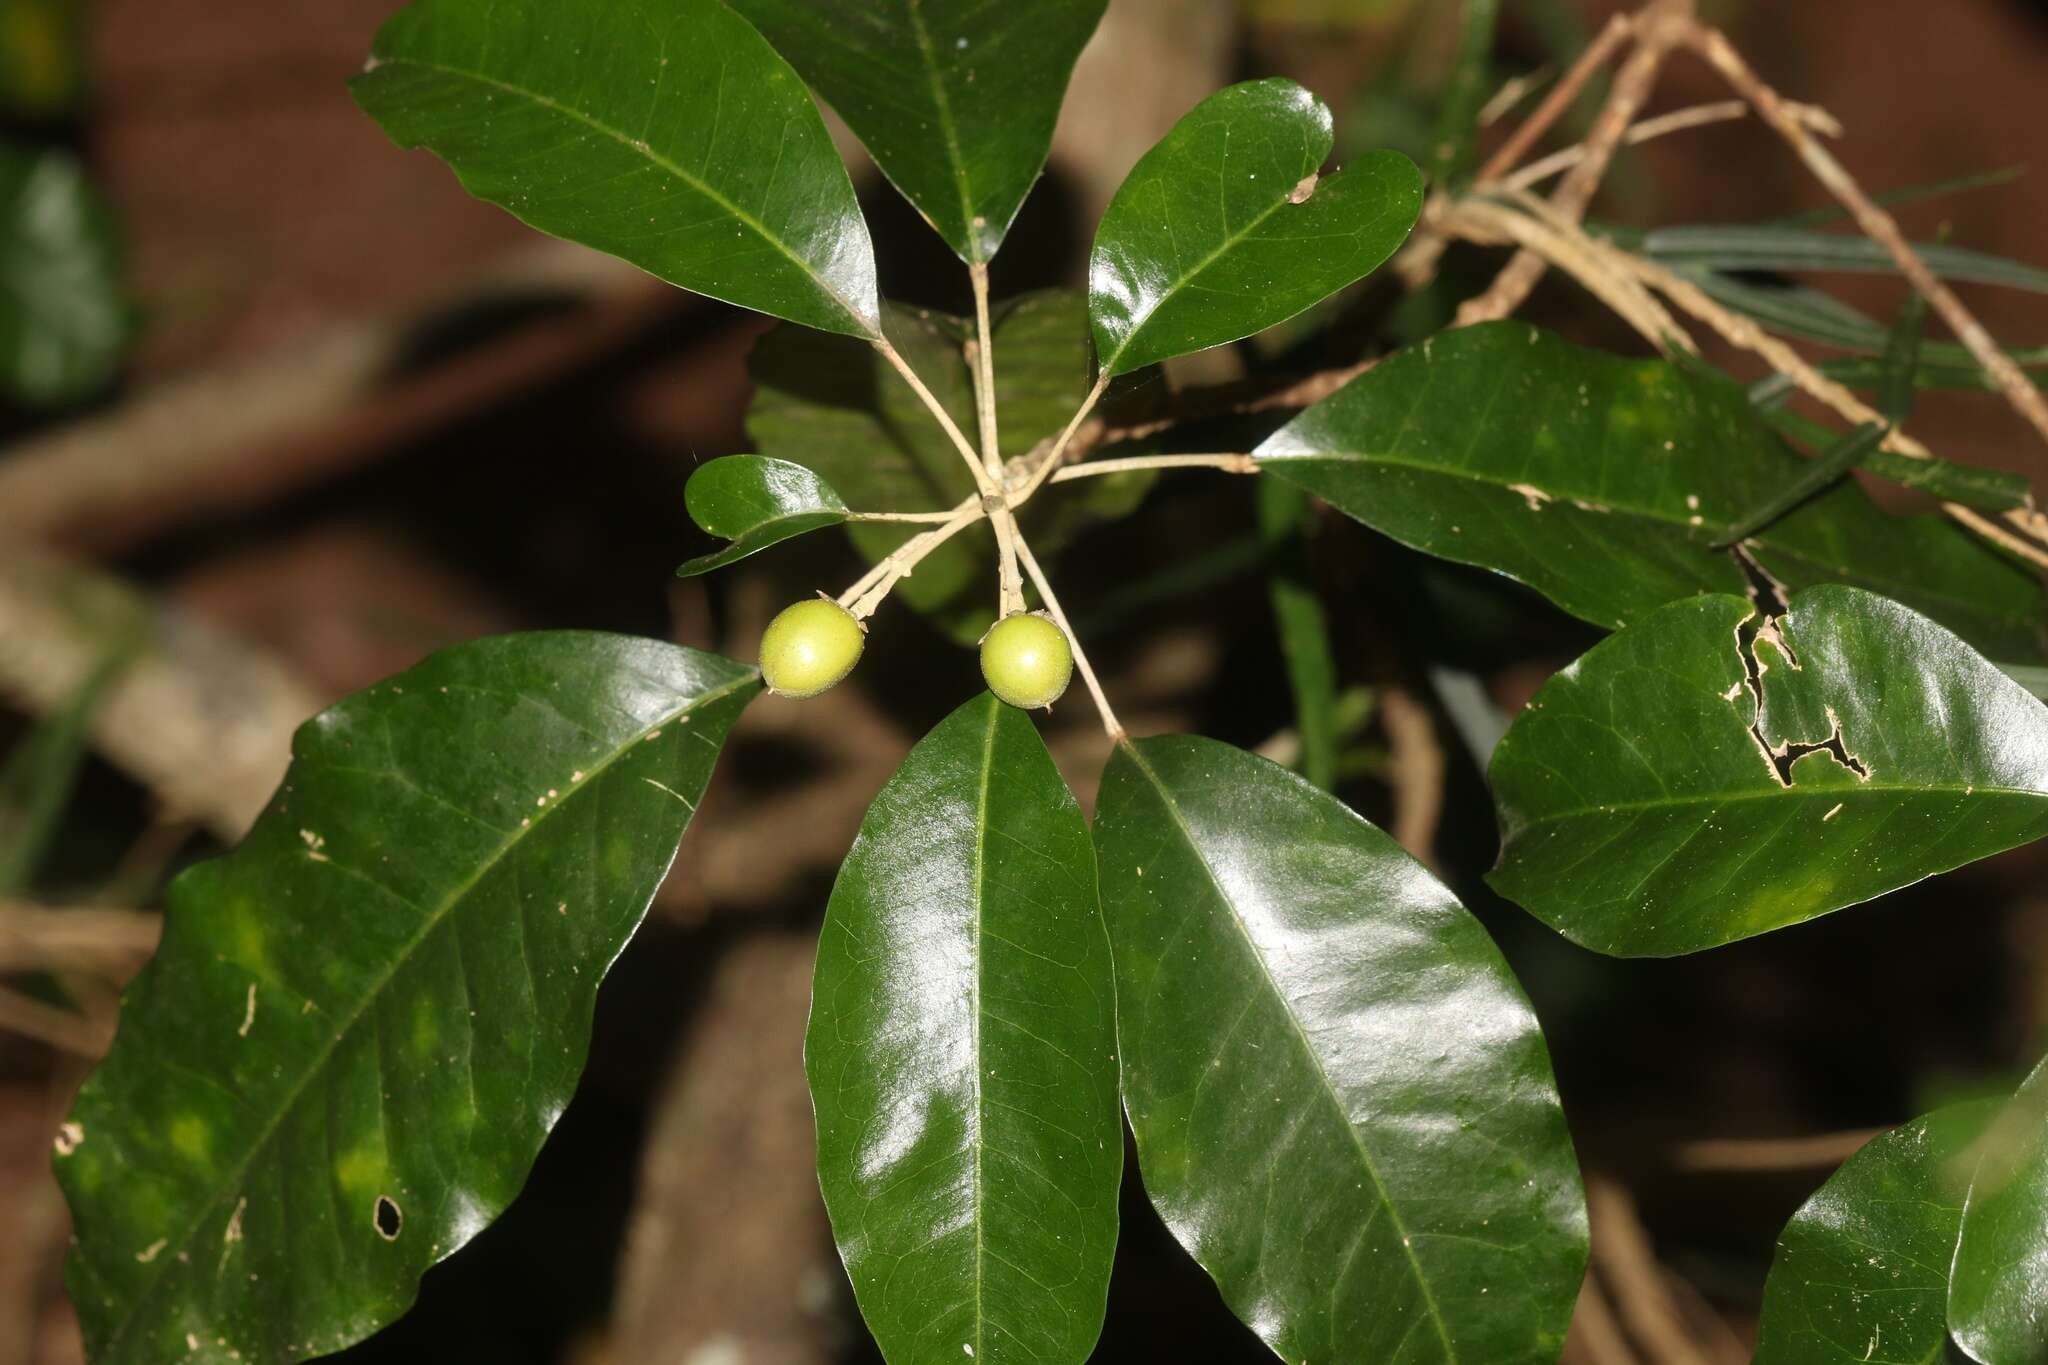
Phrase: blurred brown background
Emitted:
{"points": [[365, 416]]}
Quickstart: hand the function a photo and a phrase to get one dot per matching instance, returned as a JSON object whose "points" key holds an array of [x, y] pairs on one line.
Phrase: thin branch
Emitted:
{"points": [[229, 438], [1058, 452], [945, 420], [981, 361], [1557, 240], [1009, 587], [1658, 28], [1596, 1337], [102, 940], [1622, 1251], [982, 358], [199, 716], [1512, 92], [1559, 99], [867, 594], [1415, 771], [1677, 121], [51, 1024], [1878, 225], [1110, 724], [1744, 333], [1229, 464], [1817, 1152], [933, 517], [1224, 400]]}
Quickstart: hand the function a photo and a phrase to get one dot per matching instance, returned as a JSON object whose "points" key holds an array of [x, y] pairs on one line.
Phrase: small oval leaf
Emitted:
{"points": [[755, 502], [962, 1056], [1861, 1272], [1650, 804], [956, 102], [666, 132], [363, 1023], [1998, 1285], [1224, 229], [1343, 1105]]}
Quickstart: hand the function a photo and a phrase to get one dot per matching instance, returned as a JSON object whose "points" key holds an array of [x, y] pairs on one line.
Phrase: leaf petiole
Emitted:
{"points": [[1229, 464]]}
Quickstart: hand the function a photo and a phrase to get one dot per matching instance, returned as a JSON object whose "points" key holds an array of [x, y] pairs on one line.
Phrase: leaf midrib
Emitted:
{"points": [[1229, 243], [1301, 1037], [1351, 458], [1867, 787], [988, 752], [870, 333], [1571, 499], [513, 839], [949, 128]]}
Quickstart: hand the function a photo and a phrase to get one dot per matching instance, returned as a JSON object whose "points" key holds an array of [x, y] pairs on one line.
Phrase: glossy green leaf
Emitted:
{"points": [[1861, 1274], [363, 1023], [1998, 1285], [1343, 1105], [64, 317], [1650, 805], [755, 502], [666, 132], [1600, 482], [962, 1056], [1224, 229], [835, 407], [955, 101]]}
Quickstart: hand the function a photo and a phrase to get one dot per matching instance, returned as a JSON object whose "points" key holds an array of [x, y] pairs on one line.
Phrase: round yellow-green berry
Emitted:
{"points": [[1027, 660], [809, 647]]}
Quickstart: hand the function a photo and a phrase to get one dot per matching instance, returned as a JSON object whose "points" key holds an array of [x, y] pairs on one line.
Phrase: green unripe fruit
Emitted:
{"points": [[809, 647], [1027, 660]]}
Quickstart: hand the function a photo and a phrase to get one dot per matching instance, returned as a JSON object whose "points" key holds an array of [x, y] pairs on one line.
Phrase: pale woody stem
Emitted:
{"points": [[982, 362], [1059, 447], [868, 591], [1110, 724], [1229, 464], [938, 411]]}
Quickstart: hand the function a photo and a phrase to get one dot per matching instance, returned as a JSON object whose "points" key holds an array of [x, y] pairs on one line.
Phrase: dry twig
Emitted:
{"points": [[1657, 28], [1415, 770], [1623, 1255], [1549, 234], [252, 429], [1877, 224], [104, 941], [204, 720], [1819, 1151]]}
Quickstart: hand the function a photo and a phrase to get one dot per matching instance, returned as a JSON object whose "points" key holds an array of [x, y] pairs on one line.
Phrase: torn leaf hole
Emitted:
{"points": [[390, 1219], [1766, 592], [1782, 757], [1785, 756]]}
